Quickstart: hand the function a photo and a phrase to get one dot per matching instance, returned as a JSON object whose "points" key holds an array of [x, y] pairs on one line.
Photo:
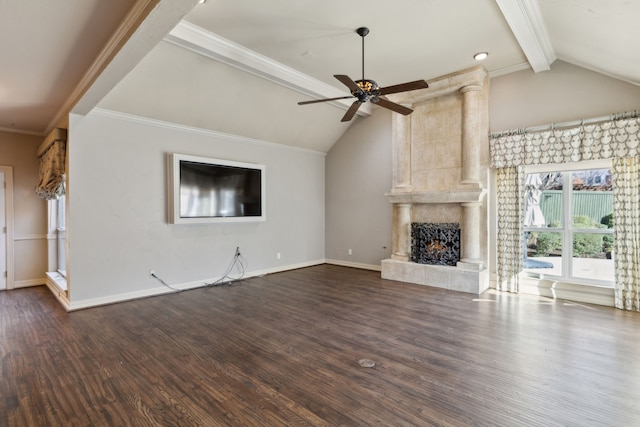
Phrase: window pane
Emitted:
{"points": [[592, 257], [61, 236], [592, 199], [551, 198], [592, 208], [543, 253]]}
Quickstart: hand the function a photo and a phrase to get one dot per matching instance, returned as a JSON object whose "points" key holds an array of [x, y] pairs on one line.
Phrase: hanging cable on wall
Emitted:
{"points": [[239, 263], [237, 267]]}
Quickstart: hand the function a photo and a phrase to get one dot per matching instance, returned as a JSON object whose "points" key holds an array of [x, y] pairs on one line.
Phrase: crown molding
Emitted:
{"points": [[527, 24], [599, 71], [210, 45], [508, 70], [177, 127]]}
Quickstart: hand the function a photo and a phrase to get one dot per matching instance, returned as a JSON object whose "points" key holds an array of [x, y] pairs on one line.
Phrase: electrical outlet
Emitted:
{"points": [[350, 252], [152, 273], [278, 255]]}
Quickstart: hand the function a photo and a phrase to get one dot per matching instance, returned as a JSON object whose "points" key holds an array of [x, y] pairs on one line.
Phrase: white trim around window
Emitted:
{"points": [[578, 290]]}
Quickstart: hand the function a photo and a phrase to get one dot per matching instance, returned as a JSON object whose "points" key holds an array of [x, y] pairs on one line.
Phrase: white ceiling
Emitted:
{"points": [[289, 51]]}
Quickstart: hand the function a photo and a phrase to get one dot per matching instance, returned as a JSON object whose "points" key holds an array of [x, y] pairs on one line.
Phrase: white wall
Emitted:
{"points": [[358, 174], [118, 227]]}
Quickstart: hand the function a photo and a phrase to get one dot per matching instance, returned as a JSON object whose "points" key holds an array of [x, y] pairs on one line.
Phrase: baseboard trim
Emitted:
{"points": [[598, 295], [28, 283], [588, 294], [354, 264], [285, 268], [162, 290]]}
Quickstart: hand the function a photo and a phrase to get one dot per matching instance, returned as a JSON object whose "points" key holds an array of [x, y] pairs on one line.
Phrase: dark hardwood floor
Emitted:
{"points": [[283, 350]]}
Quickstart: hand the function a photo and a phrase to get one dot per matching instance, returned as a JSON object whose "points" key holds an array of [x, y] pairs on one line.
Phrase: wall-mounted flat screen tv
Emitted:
{"points": [[204, 190]]}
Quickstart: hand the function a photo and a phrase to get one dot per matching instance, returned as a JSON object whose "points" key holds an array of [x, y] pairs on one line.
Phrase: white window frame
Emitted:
{"points": [[61, 258], [567, 228]]}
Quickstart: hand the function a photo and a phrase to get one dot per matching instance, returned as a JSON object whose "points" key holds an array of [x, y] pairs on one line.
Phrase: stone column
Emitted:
{"points": [[401, 153], [470, 237], [401, 231], [471, 136]]}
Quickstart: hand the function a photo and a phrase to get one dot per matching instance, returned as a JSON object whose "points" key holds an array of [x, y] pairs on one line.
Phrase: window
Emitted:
{"points": [[61, 263], [568, 223]]}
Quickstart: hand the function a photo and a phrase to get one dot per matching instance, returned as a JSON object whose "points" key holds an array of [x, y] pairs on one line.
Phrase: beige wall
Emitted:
{"points": [[30, 212]]}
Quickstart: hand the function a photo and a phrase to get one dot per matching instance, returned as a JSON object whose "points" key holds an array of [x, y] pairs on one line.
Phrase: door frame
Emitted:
{"points": [[8, 207]]}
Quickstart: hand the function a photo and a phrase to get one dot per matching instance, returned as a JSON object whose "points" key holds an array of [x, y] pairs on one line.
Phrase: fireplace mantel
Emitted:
{"points": [[461, 195]]}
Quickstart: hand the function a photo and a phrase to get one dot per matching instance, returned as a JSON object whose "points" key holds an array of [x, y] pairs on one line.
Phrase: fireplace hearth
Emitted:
{"points": [[435, 244]]}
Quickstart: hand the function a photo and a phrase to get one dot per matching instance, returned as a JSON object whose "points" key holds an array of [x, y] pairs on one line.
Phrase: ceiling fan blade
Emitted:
{"points": [[403, 87], [324, 100], [346, 80], [351, 111], [393, 106]]}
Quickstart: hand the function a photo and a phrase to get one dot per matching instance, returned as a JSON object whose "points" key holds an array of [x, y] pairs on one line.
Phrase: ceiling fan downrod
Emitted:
{"points": [[368, 88], [362, 32]]}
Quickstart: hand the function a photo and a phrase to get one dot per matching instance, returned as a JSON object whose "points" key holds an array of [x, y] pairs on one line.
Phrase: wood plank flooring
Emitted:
{"points": [[283, 350]]}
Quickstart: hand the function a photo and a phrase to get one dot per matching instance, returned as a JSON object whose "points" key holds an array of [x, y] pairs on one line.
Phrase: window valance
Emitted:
{"points": [[616, 138]]}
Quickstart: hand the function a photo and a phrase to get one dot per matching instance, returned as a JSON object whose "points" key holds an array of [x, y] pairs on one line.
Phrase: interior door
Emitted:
{"points": [[3, 234]]}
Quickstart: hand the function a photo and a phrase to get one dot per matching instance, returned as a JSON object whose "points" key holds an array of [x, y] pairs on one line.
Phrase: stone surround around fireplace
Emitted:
{"points": [[440, 174]]}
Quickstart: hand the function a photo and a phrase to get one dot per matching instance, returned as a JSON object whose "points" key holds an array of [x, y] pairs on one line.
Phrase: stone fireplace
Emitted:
{"points": [[440, 175]]}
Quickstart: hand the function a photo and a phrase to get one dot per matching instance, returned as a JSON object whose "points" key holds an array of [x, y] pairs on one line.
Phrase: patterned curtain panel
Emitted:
{"points": [[510, 186], [626, 229], [51, 174], [606, 140]]}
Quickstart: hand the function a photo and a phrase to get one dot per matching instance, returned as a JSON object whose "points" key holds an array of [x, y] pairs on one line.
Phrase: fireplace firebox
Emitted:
{"points": [[435, 243]]}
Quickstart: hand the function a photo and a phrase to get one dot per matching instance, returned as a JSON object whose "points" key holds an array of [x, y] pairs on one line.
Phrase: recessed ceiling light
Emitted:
{"points": [[480, 56], [202, 1]]}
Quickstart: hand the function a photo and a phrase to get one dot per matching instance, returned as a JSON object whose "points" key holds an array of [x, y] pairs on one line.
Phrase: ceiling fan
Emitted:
{"points": [[368, 90]]}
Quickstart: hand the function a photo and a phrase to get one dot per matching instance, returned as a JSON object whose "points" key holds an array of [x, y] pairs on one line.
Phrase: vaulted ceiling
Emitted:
{"points": [[241, 66]]}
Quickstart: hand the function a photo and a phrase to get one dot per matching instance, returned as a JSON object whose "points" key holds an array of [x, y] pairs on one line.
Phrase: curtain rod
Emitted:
{"points": [[612, 117]]}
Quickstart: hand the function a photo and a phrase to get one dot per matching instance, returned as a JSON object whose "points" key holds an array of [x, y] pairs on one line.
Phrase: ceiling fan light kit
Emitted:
{"points": [[368, 90]]}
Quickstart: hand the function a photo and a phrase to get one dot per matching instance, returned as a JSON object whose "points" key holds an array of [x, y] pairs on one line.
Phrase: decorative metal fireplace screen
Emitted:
{"points": [[437, 244]]}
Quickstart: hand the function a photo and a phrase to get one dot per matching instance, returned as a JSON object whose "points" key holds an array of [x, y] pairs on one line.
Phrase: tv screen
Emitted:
{"points": [[214, 190]]}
